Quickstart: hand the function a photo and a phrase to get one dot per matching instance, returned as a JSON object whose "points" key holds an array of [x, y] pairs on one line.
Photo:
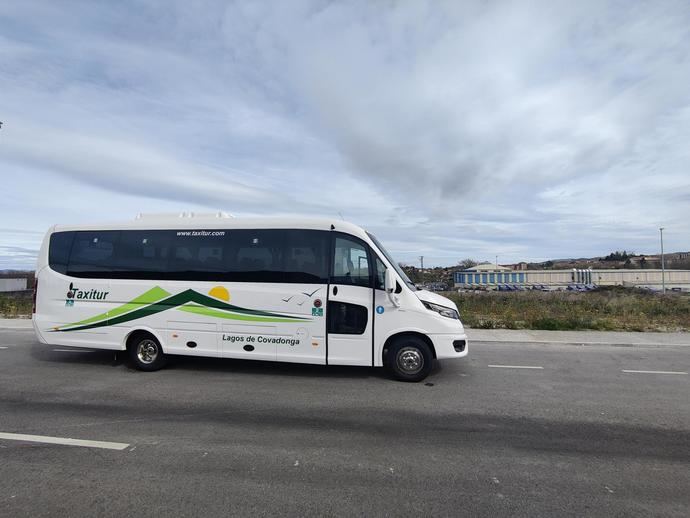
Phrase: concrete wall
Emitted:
{"points": [[12, 284], [640, 277]]}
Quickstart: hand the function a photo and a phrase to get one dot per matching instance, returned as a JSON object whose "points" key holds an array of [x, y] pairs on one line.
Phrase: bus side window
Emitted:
{"points": [[380, 279], [142, 254], [350, 263], [306, 256], [93, 252], [278, 255]]}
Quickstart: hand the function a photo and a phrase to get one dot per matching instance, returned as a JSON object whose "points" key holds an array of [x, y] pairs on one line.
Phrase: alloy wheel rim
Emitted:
{"points": [[147, 351]]}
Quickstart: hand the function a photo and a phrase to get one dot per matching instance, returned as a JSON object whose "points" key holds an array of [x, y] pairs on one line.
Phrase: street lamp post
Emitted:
{"points": [[663, 266]]}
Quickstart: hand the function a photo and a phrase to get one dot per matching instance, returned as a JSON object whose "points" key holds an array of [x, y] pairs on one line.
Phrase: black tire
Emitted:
{"points": [[146, 353], [408, 358]]}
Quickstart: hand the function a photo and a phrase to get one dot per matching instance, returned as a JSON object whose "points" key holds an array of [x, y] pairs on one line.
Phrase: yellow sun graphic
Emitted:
{"points": [[220, 292]]}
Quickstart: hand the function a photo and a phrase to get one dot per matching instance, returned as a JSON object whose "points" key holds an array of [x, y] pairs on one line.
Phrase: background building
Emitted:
{"points": [[490, 275], [8, 284]]}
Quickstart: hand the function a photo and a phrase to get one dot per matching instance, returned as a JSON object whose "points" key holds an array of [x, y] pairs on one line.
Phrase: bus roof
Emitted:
{"points": [[203, 222]]}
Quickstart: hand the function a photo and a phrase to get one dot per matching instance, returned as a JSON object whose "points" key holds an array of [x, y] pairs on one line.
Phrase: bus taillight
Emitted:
{"points": [[33, 308]]}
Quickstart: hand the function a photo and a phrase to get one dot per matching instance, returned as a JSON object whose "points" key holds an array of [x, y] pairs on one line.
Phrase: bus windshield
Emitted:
{"points": [[392, 261]]}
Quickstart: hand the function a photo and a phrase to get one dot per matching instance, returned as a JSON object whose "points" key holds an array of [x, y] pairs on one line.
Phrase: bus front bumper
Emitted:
{"points": [[450, 345]]}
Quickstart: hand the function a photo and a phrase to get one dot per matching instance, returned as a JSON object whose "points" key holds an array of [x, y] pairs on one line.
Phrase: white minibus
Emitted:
{"points": [[307, 291]]}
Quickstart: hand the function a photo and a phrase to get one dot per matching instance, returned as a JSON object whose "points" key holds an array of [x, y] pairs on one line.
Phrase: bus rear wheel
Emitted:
{"points": [[408, 359], [146, 353]]}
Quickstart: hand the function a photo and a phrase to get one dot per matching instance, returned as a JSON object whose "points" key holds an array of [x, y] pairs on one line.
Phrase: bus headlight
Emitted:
{"points": [[442, 310]]}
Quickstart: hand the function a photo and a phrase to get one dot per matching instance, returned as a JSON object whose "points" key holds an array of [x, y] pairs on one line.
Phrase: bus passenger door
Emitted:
{"points": [[349, 311]]}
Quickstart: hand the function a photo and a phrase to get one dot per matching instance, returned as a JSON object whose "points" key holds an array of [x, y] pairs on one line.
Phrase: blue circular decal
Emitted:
{"points": [[379, 310]]}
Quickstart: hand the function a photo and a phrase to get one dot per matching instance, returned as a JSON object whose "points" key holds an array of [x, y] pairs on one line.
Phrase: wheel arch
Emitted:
{"points": [[138, 331], [402, 334]]}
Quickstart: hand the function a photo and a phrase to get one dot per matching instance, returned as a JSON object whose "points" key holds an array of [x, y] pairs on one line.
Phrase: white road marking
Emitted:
{"points": [[71, 351], [655, 372], [63, 440], [3, 347], [515, 366], [578, 342]]}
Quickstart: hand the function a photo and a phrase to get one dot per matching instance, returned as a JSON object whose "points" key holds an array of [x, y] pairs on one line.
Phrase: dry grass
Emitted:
{"points": [[608, 309], [14, 305]]}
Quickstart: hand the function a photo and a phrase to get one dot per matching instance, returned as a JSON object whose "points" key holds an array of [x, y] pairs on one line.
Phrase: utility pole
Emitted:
{"points": [[663, 266], [497, 262], [421, 258]]}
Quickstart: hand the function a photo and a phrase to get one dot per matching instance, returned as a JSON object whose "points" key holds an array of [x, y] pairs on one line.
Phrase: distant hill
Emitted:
{"points": [[617, 260]]}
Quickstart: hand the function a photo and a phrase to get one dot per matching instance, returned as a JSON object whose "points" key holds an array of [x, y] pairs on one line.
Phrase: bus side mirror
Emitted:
{"points": [[390, 281]]}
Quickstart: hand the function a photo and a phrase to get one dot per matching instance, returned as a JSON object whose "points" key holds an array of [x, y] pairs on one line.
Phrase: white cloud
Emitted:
{"points": [[453, 129]]}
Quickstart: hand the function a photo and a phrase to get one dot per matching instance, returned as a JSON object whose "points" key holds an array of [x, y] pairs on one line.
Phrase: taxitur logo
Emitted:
{"points": [[74, 293]]}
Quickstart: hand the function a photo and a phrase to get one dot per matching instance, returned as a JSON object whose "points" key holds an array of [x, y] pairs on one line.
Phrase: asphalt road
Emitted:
{"points": [[208, 437]]}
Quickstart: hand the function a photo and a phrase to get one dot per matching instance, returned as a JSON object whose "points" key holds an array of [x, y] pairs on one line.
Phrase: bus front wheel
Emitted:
{"points": [[146, 352], [409, 359]]}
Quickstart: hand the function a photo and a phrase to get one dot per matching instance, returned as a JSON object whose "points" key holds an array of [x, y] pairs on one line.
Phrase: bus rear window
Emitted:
{"points": [[59, 249]]}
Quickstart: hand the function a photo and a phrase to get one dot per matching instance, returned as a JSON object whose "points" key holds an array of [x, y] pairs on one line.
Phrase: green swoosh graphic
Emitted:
{"points": [[207, 312], [120, 315], [149, 297]]}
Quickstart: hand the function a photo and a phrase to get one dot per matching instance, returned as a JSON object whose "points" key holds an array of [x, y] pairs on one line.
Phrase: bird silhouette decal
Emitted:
{"points": [[306, 297]]}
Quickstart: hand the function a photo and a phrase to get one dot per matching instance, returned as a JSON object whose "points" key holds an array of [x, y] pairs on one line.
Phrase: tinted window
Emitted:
{"points": [[380, 278], [346, 319], [306, 256], [350, 263], [264, 255], [256, 255], [93, 253], [142, 253], [197, 255], [58, 250], [267, 255]]}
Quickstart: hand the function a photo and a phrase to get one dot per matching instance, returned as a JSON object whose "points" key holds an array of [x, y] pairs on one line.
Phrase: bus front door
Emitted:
{"points": [[349, 311]]}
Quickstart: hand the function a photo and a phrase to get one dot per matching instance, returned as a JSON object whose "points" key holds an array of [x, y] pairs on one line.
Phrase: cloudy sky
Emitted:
{"points": [[527, 130]]}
